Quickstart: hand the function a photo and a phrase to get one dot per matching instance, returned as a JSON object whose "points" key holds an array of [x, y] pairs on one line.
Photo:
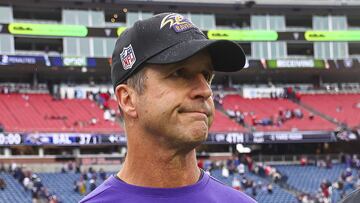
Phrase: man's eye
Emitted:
{"points": [[177, 73], [208, 76]]}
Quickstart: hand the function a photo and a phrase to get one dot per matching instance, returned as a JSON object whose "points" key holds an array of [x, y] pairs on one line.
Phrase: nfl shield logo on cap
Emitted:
{"points": [[127, 57]]}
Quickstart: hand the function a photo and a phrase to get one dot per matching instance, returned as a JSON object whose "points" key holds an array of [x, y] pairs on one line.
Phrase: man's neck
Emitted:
{"points": [[160, 169]]}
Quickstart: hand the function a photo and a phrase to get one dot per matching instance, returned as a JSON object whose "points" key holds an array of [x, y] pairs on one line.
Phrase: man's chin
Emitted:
{"points": [[189, 146], [192, 141], [198, 138]]}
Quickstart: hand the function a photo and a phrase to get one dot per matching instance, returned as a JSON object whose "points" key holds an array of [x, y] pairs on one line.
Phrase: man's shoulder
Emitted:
{"points": [[228, 192], [106, 192]]}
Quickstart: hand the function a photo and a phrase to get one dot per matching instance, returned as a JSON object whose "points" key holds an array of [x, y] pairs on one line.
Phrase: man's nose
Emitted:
{"points": [[200, 87]]}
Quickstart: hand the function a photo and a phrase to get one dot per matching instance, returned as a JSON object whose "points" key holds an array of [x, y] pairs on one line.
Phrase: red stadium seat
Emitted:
{"points": [[343, 107], [265, 108], [41, 113]]}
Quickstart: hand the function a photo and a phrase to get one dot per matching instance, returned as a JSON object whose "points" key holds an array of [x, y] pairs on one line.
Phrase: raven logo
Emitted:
{"points": [[177, 22]]}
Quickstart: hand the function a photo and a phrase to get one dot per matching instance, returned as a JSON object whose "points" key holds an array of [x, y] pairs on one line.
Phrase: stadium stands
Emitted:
{"points": [[345, 108], [223, 124], [305, 179], [42, 113], [61, 184], [309, 178], [278, 195], [269, 109], [14, 191]]}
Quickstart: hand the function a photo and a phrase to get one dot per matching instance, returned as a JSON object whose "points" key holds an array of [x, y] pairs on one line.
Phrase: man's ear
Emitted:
{"points": [[126, 100]]}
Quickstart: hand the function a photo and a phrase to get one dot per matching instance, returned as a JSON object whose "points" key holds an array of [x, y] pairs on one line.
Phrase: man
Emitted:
{"points": [[162, 68]]}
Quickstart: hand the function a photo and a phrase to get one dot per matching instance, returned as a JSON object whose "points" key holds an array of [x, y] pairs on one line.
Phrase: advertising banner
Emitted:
{"points": [[335, 36], [295, 63], [30, 60], [243, 35], [48, 30]]}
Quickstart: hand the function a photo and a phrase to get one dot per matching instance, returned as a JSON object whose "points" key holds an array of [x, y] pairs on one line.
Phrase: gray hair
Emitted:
{"points": [[137, 81]]}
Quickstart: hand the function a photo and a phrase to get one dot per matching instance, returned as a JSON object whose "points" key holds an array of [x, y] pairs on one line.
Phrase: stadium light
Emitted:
{"points": [[241, 149], [84, 69]]}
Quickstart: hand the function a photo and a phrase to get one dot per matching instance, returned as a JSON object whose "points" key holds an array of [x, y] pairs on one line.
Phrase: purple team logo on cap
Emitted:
{"points": [[177, 22], [127, 57]]}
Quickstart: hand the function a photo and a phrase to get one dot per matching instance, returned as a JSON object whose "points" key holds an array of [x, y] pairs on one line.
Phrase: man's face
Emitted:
{"points": [[176, 106]]}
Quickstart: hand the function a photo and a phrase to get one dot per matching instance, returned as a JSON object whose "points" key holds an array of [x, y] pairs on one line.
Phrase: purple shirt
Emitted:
{"points": [[206, 190]]}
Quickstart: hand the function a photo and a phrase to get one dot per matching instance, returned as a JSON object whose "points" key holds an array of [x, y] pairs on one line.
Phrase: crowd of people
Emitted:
{"points": [[88, 181], [348, 181], [31, 183], [236, 169], [278, 119], [103, 100], [231, 167]]}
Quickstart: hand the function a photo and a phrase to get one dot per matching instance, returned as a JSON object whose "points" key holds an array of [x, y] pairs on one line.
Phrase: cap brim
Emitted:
{"points": [[227, 56]]}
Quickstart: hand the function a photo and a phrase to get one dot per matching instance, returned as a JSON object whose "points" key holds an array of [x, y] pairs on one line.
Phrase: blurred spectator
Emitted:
{"points": [[27, 183], [236, 184], [102, 174], [225, 172], [82, 187], [76, 186], [107, 115], [270, 188], [92, 184], [328, 162], [253, 189], [2, 168], [1, 127], [2, 184], [303, 161], [53, 199], [241, 169], [77, 168], [298, 113], [311, 116], [70, 166]]}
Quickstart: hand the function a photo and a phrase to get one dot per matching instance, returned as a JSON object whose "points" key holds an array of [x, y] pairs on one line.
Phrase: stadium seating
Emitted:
{"points": [[14, 191], [61, 184], [266, 108], [278, 195], [309, 178], [304, 178], [41, 113], [223, 124], [344, 108]]}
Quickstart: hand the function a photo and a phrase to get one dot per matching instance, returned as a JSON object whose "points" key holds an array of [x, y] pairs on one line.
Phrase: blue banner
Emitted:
{"points": [[48, 61], [77, 139], [31, 60]]}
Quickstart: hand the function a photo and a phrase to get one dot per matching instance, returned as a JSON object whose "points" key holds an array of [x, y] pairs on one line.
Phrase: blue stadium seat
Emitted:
{"points": [[278, 195], [14, 191]]}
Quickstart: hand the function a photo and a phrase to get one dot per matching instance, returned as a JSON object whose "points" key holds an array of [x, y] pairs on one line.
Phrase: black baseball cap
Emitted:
{"points": [[169, 38]]}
